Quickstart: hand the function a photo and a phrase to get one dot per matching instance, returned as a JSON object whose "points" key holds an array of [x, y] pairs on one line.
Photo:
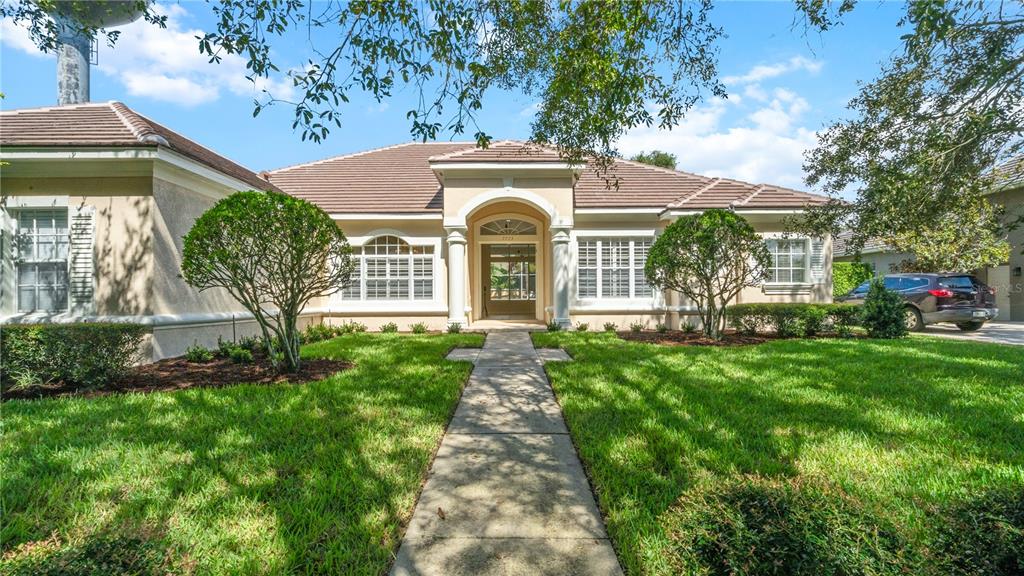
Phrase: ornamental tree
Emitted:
{"points": [[273, 253], [708, 258]]}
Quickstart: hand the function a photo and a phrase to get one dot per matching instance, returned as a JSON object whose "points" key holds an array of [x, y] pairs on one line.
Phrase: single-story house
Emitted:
{"points": [[1007, 278], [98, 199]]}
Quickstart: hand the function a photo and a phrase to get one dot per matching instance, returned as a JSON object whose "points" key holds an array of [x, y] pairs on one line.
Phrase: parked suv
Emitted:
{"points": [[960, 299]]}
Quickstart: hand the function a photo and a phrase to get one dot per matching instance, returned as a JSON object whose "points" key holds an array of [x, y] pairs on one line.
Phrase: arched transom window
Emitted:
{"points": [[388, 268], [508, 227]]}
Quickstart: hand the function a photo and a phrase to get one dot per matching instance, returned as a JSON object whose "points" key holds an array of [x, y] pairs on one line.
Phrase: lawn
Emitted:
{"points": [[247, 479], [688, 448]]}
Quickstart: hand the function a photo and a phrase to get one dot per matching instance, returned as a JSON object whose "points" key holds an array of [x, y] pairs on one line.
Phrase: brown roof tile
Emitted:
{"points": [[630, 184], [399, 179], [503, 151], [393, 179], [109, 124]]}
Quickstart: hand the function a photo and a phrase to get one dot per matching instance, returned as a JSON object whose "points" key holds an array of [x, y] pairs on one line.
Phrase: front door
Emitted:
{"points": [[510, 280]]}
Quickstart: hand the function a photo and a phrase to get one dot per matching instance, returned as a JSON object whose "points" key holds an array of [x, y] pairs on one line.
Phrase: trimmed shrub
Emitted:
{"points": [[689, 327], [793, 526], [318, 333], [197, 354], [636, 327], [582, 326], [454, 328], [223, 348], [83, 355], [418, 328], [661, 327], [792, 319], [240, 355], [389, 328], [883, 314], [610, 327], [848, 275], [554, 326]]}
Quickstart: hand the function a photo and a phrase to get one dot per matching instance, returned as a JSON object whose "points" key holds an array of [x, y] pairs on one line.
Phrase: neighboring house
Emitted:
{"points": [[99, 198], [1007, 279]]}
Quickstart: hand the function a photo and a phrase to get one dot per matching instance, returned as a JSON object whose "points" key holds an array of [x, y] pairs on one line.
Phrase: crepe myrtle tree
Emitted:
{"points": [[273, 253], [709, 258]]}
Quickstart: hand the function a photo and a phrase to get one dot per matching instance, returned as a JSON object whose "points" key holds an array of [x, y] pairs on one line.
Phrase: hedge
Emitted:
{"points": [[848, 275], [81, 355], [786, 319]]}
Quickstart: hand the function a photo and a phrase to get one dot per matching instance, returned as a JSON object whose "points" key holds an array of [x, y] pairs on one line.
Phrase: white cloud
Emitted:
{"points": [[764, 146], [758, 139], [765, 71], [18, 38], [165, 64]]}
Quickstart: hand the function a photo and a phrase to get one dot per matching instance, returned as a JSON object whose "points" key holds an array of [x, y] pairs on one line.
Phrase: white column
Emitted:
{"points": [[560, 268], [456, 275]]}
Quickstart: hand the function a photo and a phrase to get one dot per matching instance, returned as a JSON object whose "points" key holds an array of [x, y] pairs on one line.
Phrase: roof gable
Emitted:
{"points": [[110, 124], [399, 179]]}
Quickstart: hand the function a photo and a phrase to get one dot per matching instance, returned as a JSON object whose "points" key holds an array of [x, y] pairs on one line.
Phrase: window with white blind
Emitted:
{"points": [[788, 261], [388, 268], [42, 243], [612, 268]]}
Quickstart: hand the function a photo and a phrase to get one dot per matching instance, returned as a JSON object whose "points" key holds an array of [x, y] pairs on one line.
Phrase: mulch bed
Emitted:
{"points": [[680, 338], [180, 374]]}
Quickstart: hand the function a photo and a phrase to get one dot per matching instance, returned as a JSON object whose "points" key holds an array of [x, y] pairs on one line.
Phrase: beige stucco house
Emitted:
{"points": [[99, 197]]}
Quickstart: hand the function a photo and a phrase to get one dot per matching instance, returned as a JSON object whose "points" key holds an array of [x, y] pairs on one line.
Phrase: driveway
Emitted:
{"points": [[998, 332]]}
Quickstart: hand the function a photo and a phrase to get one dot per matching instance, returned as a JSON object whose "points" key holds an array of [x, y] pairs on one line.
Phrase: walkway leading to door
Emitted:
{"points": [[506, 493]]}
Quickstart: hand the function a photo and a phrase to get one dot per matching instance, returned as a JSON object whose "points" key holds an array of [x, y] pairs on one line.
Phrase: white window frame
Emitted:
{"points": [[655, 301], [807, 261], [435, 304], [17, 215]]}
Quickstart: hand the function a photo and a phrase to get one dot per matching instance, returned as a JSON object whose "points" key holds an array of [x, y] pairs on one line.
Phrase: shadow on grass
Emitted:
{"points": [[897, 423], [247, 479]]}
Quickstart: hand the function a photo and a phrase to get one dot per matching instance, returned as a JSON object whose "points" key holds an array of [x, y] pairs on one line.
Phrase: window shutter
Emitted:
{"points": [[817, 260], [82, 276], [8, 257]]}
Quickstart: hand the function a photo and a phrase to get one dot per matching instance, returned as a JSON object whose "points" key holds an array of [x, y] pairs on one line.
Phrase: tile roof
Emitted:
{"points": [[1009, 174], [109, 124], [841, 245], [393, 179], [399, 179], [503, 151]]}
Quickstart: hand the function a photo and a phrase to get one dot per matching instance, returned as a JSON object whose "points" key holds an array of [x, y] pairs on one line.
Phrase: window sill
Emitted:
{"points": [[385, 307], [616, 305], [787, 288]]}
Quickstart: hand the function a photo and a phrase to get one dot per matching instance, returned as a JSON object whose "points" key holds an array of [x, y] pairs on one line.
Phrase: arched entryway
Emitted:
{"points": [[509, 267]]}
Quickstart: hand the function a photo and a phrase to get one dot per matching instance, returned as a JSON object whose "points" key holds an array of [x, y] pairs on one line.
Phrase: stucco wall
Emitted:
{"points": [[1013, 200], [881, 262], [175, 210]]}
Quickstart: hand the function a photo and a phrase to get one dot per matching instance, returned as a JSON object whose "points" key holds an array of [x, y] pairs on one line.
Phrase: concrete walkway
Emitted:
{"points": [[506, 493]]}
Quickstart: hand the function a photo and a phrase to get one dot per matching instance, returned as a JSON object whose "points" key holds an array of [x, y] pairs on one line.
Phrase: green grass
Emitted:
{"points": [[903, 426], [312, 478]]}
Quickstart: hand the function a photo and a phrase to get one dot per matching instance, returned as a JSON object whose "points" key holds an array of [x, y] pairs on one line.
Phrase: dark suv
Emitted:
{"points": [[932, 298]]}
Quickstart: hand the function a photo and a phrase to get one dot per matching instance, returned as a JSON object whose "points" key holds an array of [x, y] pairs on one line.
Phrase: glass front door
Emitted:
{"points": [[510, 282]]}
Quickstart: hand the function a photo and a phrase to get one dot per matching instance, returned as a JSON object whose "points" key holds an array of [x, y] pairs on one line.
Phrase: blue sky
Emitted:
{"points": [[784, 87]]}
